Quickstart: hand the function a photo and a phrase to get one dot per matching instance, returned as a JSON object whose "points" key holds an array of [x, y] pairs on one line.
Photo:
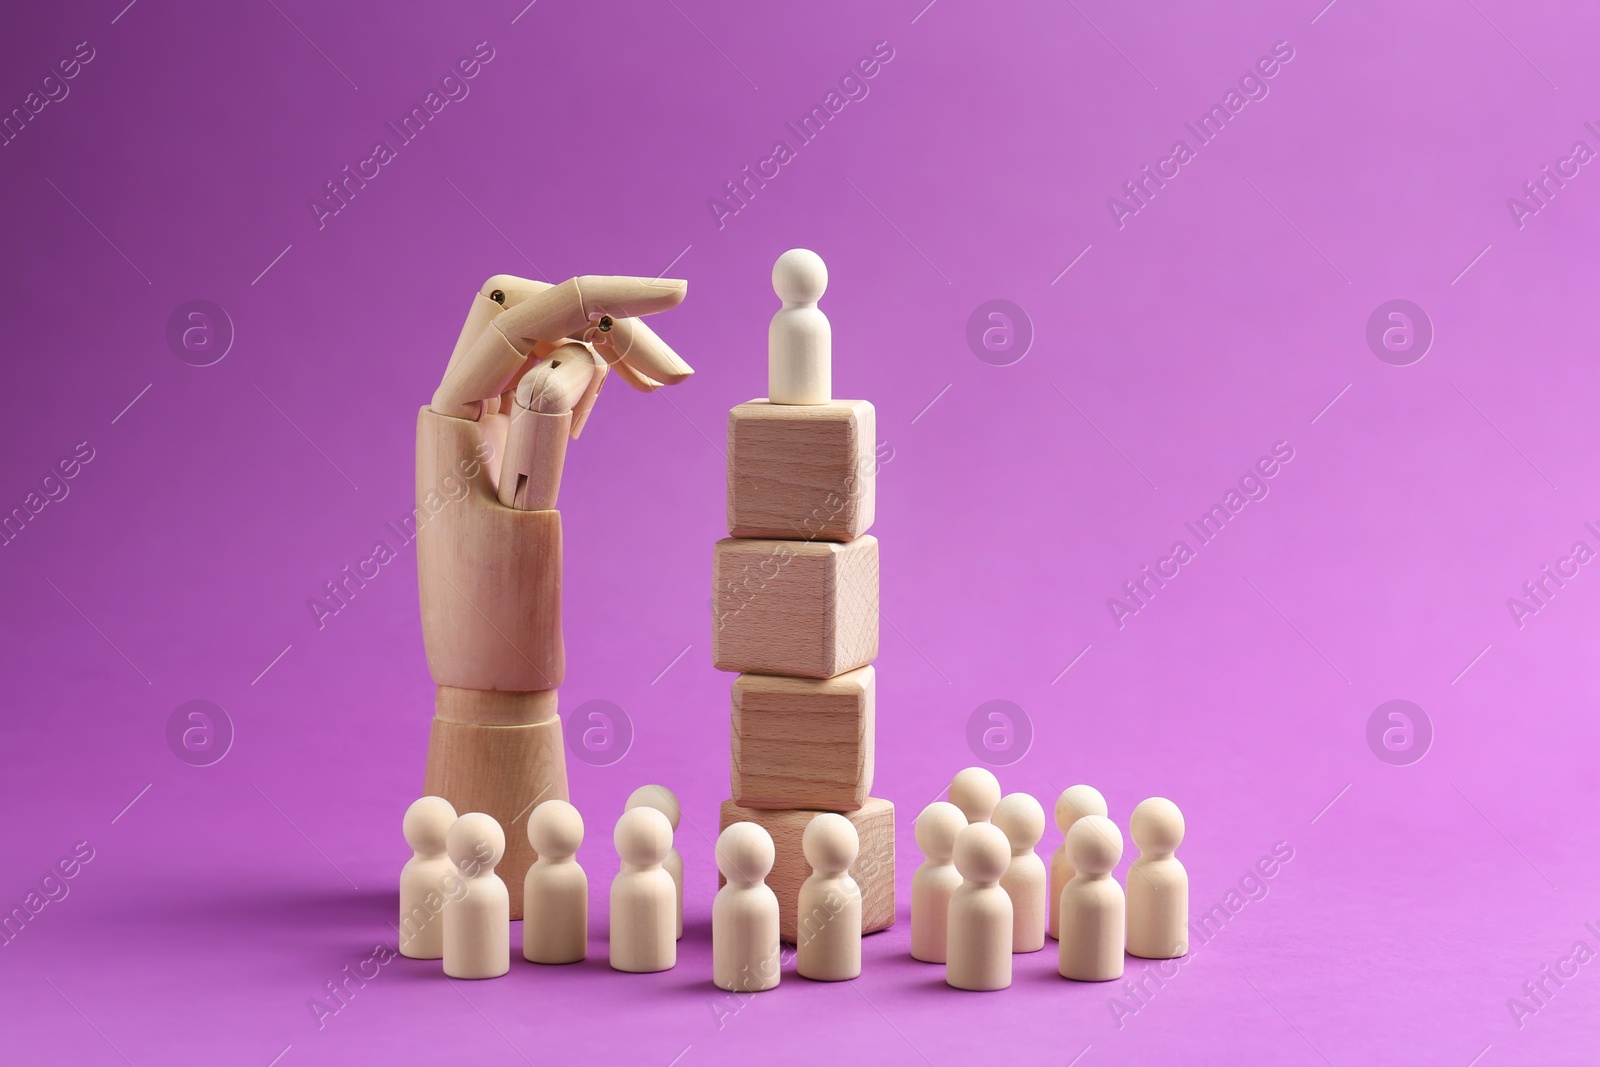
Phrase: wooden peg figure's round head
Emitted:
{"points": [[937, 828], [975, 791], [1021, 818], [659, 797], [1094, 844], [745, 854], [982, 853], [1077, 801], [643, 837], [799, 277], [555, 830], [1156, 826], [830, 843], [426, 823], [475, 843]]}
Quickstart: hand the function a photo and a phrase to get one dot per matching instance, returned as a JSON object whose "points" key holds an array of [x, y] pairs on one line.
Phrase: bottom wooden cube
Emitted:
{"points": [[873, 869]]}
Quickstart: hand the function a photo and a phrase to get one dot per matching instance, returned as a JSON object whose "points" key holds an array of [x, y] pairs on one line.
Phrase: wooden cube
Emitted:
{"points": [[807, 609], [873, 869], [803, 742], [801, 472]]}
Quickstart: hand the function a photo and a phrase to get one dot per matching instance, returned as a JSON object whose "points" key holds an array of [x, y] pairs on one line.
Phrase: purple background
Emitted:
{"points": [[1228, 314]]}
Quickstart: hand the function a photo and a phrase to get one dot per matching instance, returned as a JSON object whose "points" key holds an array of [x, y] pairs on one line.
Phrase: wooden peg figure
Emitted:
{"points": [[477, 924], [1074, 803], [1021, 818], [663, 800], [555, 893], [744, 916], [426, 878], [975, 791], [1158, 885], [1093, 911], [936, 880], [800, 339], [643, 935], [979, 949], [828, 945]]}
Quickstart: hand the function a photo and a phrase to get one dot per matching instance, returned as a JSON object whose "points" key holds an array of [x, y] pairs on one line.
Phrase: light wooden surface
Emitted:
{"points": [[873, 869], [665, 801], [1074, 803], [479, 369], [484, 308], [477, 926], [1158, 885], [574, 308], [534, 312], [490, 707], [489, 577], [745, 955], [802, 473], [936, 880], [803, 742], [636, 380], [976, 791], [555, 891], [534, 457], [643, 931], [978, 952], [800, 338], [466, 373], [828, 925], [797, 608], [620, 345], [1093, 923], [502, 771], [426, 879], [1021, 818]]}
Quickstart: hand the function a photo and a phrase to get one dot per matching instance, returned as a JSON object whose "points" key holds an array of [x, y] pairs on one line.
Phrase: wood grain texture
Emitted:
{"points": [[800, 338], [802, 742], [804, 473], [535, 453], [488, 707], [807, 609], [501, 771], [489, 576], [479, 368], [873, 869]]}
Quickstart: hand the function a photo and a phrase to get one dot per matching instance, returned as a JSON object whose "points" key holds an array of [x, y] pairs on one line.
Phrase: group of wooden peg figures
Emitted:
{"points": [[453, 907], [981, 894]]}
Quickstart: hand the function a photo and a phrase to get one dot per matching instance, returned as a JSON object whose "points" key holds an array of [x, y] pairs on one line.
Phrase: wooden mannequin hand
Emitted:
{"points": [[490, 450], [515, 323]]}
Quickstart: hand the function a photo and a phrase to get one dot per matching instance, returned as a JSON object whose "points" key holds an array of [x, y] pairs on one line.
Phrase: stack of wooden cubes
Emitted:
{"points": [[795, 613]]}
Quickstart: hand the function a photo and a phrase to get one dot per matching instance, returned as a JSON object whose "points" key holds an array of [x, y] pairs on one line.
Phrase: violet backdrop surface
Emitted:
{"points": [[1175, 340]]}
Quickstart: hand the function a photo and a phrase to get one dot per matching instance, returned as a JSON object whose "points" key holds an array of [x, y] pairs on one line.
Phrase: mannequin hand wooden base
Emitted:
{"points": [[499, 753]]}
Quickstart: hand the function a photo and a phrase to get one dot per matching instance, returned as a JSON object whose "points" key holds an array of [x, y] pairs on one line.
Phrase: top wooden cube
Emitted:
{"points": [[802, 472]]}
